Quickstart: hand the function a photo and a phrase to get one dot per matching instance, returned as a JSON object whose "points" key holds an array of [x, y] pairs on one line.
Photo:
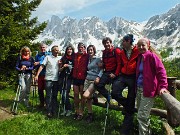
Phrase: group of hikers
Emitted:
{"points": [[136, 66]]}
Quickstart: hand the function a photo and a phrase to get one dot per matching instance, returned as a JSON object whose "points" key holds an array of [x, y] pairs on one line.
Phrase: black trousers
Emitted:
{"points": [[119, 85], [105, 79]]}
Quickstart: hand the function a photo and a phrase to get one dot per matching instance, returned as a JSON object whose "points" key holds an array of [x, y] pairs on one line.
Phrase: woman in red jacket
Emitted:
{"points": [[79, 76]]}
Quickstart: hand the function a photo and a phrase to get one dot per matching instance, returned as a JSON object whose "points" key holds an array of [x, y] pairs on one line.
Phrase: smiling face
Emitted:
{"points": [[142, 45], [107, 45], [91, 51], [43, 48], [55, 51], [69, 51], [81, 48]]}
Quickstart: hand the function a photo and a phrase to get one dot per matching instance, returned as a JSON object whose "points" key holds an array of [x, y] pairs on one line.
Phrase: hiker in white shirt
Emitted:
{"points": [[51, 77]]}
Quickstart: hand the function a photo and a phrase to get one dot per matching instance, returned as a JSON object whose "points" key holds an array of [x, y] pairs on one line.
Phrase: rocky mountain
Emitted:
{"points": [[163, 30]]}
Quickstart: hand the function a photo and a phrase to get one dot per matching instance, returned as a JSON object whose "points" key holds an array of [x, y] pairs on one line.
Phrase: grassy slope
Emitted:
{"points": [[36, 123]]}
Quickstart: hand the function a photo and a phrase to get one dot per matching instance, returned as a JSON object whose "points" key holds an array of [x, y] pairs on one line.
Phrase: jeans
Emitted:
{"points": [[51, 96], [65, 87]]}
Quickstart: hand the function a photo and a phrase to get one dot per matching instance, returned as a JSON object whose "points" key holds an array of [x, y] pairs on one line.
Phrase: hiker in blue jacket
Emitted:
{"points": [[41, 81]]}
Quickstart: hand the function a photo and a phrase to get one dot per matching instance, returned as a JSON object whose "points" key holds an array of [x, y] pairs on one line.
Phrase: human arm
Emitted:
{"points": [[160, 74], [36, 63], [38, 72], [118, 61], [18, 66], [45, 61]]}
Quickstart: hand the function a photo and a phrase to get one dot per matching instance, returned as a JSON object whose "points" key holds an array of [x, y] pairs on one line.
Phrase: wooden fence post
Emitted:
{"points": [[171, 87]]}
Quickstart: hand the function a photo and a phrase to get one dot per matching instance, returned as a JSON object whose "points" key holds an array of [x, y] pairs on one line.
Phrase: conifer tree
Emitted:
{"points": [[16, 30]]}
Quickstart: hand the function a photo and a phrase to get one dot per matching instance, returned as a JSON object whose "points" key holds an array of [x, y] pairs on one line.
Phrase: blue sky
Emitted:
{"points": [[136, 10]]}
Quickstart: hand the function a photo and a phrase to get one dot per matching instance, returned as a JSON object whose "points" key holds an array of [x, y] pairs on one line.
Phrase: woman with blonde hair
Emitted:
{"points": [[151, 80], [25, 66]]}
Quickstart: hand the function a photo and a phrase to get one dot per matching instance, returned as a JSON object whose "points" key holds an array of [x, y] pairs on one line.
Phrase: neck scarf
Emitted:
{"points": [[25, 57]]}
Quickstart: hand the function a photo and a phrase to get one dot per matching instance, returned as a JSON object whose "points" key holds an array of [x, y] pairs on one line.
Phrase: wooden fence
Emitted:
{"points": [[172, 114]]}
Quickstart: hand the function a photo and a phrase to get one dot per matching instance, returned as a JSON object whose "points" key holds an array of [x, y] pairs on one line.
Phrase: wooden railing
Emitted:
{"points": [[172, 104], [172, 114]]}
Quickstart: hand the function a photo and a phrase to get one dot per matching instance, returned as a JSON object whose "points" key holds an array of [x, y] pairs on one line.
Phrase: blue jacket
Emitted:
{"points": [[39, 58], [28, 63]]}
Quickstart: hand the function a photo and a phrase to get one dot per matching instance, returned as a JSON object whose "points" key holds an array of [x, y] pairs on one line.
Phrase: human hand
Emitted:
{"points": [[36, 63], [65, 65], [23, 67], [59, 61], [163, 91], [36, 78], [112, 76], [96, 81]]}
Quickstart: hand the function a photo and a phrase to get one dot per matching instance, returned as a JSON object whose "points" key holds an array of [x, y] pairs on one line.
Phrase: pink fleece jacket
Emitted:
{"points": [[154, 74]]}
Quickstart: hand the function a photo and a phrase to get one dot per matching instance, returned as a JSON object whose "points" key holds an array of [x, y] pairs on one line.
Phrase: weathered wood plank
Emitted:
{"points": [[154, 111], [173, 106]]}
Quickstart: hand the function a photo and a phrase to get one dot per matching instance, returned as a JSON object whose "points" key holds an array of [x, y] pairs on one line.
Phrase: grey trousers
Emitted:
{"points": [[25, 83], [144, 105]]}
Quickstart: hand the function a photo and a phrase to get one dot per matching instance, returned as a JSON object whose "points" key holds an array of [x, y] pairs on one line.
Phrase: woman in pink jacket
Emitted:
{"points": [[151, 80]]}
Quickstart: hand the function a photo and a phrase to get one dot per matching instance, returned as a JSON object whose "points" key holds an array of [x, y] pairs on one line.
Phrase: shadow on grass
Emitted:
{"points": [[6, 103]]}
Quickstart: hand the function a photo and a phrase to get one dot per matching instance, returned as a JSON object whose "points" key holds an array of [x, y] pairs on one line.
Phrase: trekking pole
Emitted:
{"points": [[65, 92], [16, 99], [63, 96], [34, 90], [60, 101], [107, 111]]}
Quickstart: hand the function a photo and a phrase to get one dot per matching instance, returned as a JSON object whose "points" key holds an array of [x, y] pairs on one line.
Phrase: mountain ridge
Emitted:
{"points": [[163, 30]]}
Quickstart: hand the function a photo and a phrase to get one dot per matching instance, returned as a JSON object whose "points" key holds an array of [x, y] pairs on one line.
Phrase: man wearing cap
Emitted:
{"points": [[128, 59]]}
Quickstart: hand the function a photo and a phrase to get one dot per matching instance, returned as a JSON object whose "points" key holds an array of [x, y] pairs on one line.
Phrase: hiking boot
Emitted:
{"points": [[40, 106], [63, 113], [75, 116], [89, 118], [79, 117], [49, 115], [127, 125], [68, 113]]}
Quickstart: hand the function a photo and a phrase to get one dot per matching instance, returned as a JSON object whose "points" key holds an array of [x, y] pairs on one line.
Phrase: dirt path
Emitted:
{"points": [[5, 114]]}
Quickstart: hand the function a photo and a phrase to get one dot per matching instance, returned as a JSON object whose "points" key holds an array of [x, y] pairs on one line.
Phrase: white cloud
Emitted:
{"points": [[47, 8]]}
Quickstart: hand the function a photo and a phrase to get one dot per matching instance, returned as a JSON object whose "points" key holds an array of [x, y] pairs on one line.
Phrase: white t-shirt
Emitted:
{"points": [[52, 67]]}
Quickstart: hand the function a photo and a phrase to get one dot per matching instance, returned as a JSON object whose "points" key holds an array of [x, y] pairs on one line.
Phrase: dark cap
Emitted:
{"points": [[129, 37]]}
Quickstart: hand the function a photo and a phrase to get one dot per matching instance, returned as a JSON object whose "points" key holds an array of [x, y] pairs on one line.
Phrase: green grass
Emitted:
{"points": [[36, 122]]}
